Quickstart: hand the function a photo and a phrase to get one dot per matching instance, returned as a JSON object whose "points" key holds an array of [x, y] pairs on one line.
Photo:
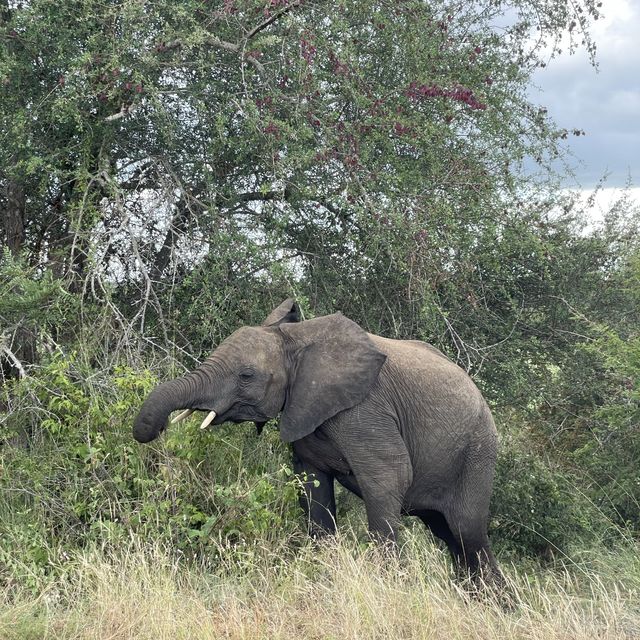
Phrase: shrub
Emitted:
{"points": [[82, 479], [537, 507]]}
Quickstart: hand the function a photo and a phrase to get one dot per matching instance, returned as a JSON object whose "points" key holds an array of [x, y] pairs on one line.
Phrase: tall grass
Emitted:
{"points": [[334, 590]]}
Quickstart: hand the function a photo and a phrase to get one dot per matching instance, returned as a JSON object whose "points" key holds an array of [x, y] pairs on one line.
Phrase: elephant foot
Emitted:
{"points": [[489, 585]]}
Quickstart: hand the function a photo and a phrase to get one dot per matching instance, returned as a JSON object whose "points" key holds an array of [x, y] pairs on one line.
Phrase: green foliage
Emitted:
{"points": [[83, 480], [33, 300], [588, 408], [178, 168], [237, 286], [610, 449], [538, 508]]}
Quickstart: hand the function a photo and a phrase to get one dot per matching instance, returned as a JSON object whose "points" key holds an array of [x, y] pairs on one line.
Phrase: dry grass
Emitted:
{"points": [[337, 591]]}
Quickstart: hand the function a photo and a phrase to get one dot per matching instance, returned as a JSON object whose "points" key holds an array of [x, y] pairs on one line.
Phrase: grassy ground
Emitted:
{"points": [[339, 590]]}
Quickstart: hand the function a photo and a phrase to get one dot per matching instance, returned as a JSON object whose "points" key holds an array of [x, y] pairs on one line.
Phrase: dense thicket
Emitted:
{"points": [[170, 170]]}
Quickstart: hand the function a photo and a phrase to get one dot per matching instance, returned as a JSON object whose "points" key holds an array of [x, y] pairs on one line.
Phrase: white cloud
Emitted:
{"points": [[625, 101], [606, 103], [604, 199]]}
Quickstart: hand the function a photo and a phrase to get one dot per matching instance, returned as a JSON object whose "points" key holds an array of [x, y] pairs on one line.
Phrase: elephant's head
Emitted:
{"points": [[309, 370]]}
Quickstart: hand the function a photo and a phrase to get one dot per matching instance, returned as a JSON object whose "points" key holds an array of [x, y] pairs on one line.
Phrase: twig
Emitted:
{"points": [[272, 19], [14, 361], [513, 328], [235, 48], [125, 110]]}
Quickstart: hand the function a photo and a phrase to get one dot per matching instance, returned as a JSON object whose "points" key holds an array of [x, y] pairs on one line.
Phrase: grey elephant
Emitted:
{"points": [[393, 421]]}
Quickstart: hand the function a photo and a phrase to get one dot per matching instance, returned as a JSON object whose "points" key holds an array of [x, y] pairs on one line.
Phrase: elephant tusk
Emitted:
{"points": [[181, 416], [208, 420]]}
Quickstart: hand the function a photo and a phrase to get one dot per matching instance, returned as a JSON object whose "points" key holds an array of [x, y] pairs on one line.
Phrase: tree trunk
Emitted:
{"points": [[13, 216], [177, 227], [13, 222]]}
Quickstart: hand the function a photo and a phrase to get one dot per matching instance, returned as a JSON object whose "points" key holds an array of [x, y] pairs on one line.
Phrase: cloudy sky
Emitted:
{"points": [[605, 103]]}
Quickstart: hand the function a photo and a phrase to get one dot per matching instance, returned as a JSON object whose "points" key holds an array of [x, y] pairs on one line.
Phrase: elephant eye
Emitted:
{"points": [[246, 375]]}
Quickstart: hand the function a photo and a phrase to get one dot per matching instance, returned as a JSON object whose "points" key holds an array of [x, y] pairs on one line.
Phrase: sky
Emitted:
{"points": [[604, 102]]}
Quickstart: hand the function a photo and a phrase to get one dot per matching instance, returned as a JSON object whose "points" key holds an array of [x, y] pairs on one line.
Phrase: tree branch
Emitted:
{"points": [[236, 48], [15, 363], [272, 19], [125, 110], [177, 226]]}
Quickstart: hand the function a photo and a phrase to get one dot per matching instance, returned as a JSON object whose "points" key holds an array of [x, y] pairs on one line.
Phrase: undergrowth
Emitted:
{"points": [[336, 589], [200, 535]]}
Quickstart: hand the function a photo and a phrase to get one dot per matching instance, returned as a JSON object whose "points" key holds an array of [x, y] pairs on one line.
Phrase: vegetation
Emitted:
{"points": [[335, 591], [170, 171]]}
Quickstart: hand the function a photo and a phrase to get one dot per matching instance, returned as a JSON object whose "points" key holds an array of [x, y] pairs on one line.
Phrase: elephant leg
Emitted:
{"points": [[469, 548], [437, 524], [383, 517], [381, 466], [383, 488], [474, 557], [317, 498], [467, 520]]}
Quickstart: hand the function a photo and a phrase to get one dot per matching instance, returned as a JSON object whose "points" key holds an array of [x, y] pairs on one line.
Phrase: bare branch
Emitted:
{"points": [[235, 48], [125, 110], [15, 363], [252, 196], [272, 19], [223, 44]]}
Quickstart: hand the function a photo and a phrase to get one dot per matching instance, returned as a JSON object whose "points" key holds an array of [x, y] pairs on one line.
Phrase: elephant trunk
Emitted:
{"points": [[151, 421]]}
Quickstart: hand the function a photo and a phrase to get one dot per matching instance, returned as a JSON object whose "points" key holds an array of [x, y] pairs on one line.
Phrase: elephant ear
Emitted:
{"points": [[334, 369], [288, 311]]}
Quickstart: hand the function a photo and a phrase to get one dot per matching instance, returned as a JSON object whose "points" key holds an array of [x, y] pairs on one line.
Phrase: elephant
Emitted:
{"points": [[394, 421]]}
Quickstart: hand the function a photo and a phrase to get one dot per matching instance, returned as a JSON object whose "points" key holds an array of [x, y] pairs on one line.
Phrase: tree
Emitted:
{"points": [[179, 167]]}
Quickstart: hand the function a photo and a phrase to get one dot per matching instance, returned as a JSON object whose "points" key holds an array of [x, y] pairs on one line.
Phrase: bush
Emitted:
{"points": [[82, 479], [537, 507], [609, 451]]}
